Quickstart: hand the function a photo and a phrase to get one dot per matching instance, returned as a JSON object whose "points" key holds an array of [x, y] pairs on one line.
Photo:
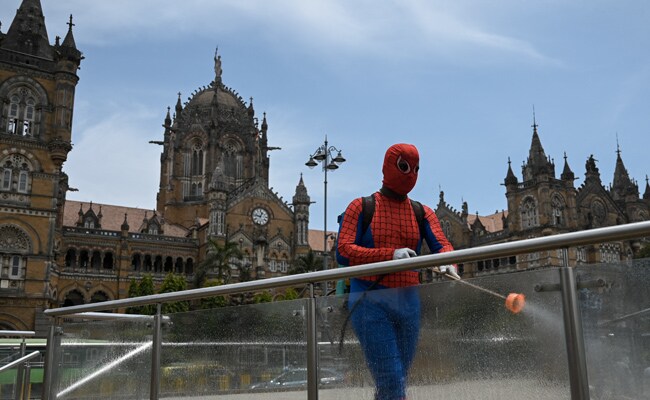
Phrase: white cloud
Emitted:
{"points": [[381, 29], [112, 160]]}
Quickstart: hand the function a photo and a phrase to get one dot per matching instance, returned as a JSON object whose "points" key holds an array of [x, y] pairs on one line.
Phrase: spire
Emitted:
{"points": [[251, 110], [622, 183], [301, 196], [646, 194], [179, 106], [27, 33], [567, 174], [69, 37], [511, 179], [537, 162], [265, 126], [125, 224], [168, 119]]}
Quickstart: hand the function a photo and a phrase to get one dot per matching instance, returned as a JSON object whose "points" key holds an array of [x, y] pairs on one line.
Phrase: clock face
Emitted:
{"points": [[260, 216]]}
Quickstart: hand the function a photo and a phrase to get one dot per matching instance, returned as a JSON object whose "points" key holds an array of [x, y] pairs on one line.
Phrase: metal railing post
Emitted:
{"points": [[573, 334], [312, 347], [50, 379], [27, 382], [19, 372], [156, 347]]}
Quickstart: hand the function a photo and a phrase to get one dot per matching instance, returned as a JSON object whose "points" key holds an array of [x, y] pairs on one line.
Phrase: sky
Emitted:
{"points": [[462, 80]]}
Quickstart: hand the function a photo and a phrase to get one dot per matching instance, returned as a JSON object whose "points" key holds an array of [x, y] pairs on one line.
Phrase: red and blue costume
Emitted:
{"points": [[387, 322]]}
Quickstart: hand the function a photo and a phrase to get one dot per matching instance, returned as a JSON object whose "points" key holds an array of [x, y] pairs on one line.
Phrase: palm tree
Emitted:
{"points": [[306, 263], [218, 258]]}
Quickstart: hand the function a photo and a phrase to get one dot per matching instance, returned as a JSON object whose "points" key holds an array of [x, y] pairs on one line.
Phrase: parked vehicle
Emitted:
{"points": [[296, 378]]}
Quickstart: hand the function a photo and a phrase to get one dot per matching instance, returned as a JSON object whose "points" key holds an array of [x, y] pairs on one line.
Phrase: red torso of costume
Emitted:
{"points": [[393, 226]]}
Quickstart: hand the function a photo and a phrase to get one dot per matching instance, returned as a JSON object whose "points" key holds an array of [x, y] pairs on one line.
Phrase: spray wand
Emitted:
{"points": [[515, 302]]}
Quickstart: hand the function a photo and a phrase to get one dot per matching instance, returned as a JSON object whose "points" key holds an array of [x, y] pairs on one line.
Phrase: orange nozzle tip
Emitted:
{"points": [[515, 302]]}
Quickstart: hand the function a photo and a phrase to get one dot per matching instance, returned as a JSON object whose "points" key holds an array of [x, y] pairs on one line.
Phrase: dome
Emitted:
{"points": [[225, 98]]}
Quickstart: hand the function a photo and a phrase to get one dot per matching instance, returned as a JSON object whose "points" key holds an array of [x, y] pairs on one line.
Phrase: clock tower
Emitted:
{"points": [[214, 171]]}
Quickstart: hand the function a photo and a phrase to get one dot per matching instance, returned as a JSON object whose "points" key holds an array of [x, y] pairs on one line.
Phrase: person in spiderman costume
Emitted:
{"points": [[387, 322]]}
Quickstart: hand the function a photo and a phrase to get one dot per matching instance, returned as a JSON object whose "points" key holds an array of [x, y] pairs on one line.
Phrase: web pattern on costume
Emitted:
{"points": [[393, 226]]}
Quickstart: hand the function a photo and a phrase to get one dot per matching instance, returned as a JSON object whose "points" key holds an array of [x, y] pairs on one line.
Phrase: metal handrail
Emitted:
{"points": [[565, 240], [100, 316], [19, 334], [20, 360]]}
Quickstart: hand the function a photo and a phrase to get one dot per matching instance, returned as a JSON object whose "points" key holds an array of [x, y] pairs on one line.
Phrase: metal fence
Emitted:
{"points": [[573, 334]]}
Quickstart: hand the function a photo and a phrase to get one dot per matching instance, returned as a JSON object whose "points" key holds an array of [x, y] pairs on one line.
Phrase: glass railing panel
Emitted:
{"points": [[255, 350], [9, 383], [615, 309], [13, 380], [470, 346], [104, 360]]}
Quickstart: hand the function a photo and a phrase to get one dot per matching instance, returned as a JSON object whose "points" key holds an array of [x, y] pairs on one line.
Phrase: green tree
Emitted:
{"points": [[644, 252], [215, 301], [134, 291], [218, 258], [143, 288], [291, 294], [307, 263], [263, 297], [174, 283]]}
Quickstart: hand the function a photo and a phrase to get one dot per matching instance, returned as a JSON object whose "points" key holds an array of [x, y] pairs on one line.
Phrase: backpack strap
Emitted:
{"points": [[418, 210], [368, 210]]}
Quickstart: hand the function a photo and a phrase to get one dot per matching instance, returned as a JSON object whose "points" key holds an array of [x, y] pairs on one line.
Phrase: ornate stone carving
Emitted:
{"points": [[14, 239]]}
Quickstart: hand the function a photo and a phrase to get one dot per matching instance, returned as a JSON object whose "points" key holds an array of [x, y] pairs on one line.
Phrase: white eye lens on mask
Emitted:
{"points": [[403, 165]]}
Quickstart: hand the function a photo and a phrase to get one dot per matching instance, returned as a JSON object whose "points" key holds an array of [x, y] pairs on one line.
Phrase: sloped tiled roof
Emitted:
{"points": [[492, 222], [113, 217], [316, 239]]}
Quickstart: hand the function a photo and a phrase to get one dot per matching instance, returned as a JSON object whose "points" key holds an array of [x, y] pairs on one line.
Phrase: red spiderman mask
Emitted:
{"points": [[401, 166]]}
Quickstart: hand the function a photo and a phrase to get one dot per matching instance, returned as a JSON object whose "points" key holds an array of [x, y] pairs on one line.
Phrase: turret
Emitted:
{"points": [[622, 185], [538, 163], [511, 179], [27, 33], [301, 203], [567, 175]]}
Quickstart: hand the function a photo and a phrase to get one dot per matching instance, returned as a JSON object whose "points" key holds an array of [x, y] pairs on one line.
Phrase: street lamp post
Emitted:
{"points": [[323, 155]]}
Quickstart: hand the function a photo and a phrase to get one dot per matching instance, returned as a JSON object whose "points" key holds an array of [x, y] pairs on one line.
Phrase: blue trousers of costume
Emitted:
{"points": [[387, 324]]}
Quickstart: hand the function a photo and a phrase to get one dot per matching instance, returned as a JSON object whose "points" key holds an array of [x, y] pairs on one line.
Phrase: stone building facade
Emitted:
{"points": [[214, 170], [543, 204], [214, 187]]}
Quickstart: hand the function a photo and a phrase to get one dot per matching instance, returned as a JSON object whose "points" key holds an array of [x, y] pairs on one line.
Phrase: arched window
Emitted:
{"points": [[71, 258], [446, 228], [89, 223], [233, 161], [197, 158], [28, 117], [74, 298], [178, 266], [12, 115], [154, 228], [557, 205], [16, 173], [168, 264], [21, 108], [6, 178], [189, 266], [108, 260], [15, 244], [99, 297], [529, 213], [136, 262]]}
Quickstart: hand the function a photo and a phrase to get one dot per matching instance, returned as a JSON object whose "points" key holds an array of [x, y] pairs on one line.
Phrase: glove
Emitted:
{"points": [[450, 270], [398, 254]]}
